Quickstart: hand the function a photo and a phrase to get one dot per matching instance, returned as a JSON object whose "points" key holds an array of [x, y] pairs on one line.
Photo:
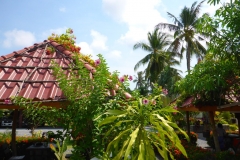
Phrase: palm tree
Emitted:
{"points": [[139, 80], [167, 79], [141, 83], [186, 37], [158, 56]]}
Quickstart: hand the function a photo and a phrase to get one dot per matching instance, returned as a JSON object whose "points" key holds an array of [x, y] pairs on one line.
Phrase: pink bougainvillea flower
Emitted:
{"points": [[97, 62], [165, 91], [130, 78], [154, 102], [145, 101], [121, 79], [7, 101], [127, 95]]}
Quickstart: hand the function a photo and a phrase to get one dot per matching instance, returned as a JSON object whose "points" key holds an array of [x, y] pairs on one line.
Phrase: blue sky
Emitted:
{"points": [[109, 27]]}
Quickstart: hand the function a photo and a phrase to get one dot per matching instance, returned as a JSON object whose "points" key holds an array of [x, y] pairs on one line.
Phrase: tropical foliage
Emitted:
{"points": [[60, 148], [104, 93], [224, 31], [147, 122], [186, 37], [199, 153], [211, 83], [159, 57], [141, 83], [167, 79]]}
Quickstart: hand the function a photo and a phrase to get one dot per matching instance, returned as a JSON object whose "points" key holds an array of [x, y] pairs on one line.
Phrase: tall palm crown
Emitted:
{"points": [[158, 56], [141, 83], [139, 80], [186, 36], [167, 79]]}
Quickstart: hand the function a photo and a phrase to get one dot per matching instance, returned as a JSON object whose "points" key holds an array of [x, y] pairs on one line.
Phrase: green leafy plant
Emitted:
{"points": [[34, 113], [60, 148], [132, 136], [67, 40]]}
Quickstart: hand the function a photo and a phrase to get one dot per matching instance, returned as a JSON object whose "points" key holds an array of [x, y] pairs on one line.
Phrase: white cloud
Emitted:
{"points": [[85, 48], [133, 35], [97, 45], [18, 38], [58, 31], [99, 41], [141, 16], [115, 54], [63, 9]]}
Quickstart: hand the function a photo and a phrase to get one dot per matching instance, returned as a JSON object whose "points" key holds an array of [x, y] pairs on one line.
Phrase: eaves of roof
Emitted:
{"points": [[27, 73]]}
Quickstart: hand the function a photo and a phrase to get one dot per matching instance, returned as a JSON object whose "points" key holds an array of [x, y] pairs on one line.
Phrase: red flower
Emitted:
{"points": [[121, 79], [145, 101], [97, 62], [130, 78]]}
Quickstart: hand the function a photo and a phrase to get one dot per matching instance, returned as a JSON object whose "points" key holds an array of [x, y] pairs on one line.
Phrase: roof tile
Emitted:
{"points": [[27, 72]]}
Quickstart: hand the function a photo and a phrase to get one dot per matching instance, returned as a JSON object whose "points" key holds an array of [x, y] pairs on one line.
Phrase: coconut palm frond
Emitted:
{"points": [[175, 20], [143, 61], [143, 46], [197, 9], [193, 6], [157, 57], [176, 44], [170, 27], [178, 33], [183, 49]]}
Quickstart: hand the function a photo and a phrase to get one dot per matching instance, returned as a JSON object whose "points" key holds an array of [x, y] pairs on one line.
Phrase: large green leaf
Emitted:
{"points": [[116, 125], [108, 120], [181, 148], [130, 145], [115, 112], [141, 155], [165, 122], [119, 136], [121, 153]]}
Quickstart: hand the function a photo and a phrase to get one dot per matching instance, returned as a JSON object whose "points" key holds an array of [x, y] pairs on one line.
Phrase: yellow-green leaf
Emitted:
{"points": [[142, 151], [130, 145], [115, 112], [108, 120]]}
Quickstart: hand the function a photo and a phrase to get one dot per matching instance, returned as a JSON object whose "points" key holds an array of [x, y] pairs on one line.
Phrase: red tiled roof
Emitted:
{"points": [[188, 101], [27, 72]]}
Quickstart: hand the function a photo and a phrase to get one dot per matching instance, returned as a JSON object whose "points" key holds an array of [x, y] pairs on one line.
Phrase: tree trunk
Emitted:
{"points": [[33, 130], [188, 57], [188, 69], [215, 136], [188, 124], [20, 118], [14, 125]]}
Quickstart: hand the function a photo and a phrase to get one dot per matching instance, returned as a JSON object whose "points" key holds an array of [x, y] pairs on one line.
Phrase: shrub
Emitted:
{"points": [[193, 137], [198, 153]]}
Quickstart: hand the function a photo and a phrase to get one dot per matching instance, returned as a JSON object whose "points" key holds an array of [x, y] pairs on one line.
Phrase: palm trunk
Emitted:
{"points": [[188, 69], [188, 59]]}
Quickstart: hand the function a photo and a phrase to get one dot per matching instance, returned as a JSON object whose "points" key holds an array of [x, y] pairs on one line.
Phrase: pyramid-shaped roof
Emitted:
{"points": [[27, 73]]}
